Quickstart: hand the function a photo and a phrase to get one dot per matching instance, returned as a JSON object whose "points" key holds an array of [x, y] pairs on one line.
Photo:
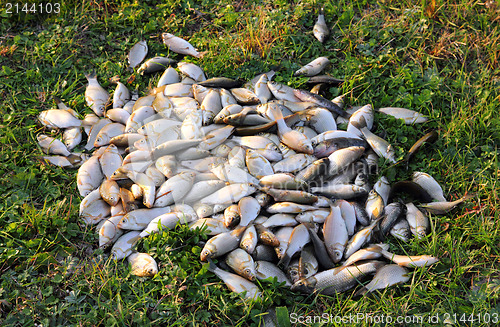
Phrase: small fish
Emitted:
{"points": [[335, 234], [139, 219], [386, 276], [374, 205], [419, 223], [121, 95], [95, 95], [265, 270], [298, 239], [109, 231], [236, 283], [210, 225], [56, 118], [320, 29], [220, 82], [222, 244], [191, 70], [179, 45], [265, 236], [410, 261], [336, 280], [248, 209], [123, 247], [383, 188], [89, 176], [290, 195], [155, 64], [430, 137], [429, 184], [441, 208], [137, 54], [142, 265], [381, 147], [169, 76], [242, 263], [409, 116], [401, 230], [326, 79], [373, 251], [359, 239], [320, 102], [342, 158], [110, 192], [392, 212], [52, 145], [314, 67]]}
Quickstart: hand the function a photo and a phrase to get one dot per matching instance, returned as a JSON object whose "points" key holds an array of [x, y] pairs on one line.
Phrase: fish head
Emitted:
{"points": [[280, 250], [307, 147], [206, 253], [263, 199], [100, 141], [247, 244], [124, 222], [249, 274], [337, 255], [203, 210], [293, 273], [208, 117], [304, 285], [322, 149], [150, 269], [41, 137], [271, 152]]}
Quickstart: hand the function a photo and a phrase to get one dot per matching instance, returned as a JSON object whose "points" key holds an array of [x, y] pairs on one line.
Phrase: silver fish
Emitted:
{"points": [[179, 45]]}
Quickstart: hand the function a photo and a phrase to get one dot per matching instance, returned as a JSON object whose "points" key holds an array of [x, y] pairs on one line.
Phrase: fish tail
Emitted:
{"points": [[115, 79], [211, 265], [285, 261], [467, 196], [277, 114], [310, 226], [201, 54], [91, 75], [362, 291]]}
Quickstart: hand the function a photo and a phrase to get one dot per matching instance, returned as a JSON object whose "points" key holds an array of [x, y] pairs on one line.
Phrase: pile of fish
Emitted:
{"points": [[261, 167]]}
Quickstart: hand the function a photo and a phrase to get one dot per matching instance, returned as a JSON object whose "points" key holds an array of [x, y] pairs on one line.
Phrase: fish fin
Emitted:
{"points": [[362, 291], [302, 268]]}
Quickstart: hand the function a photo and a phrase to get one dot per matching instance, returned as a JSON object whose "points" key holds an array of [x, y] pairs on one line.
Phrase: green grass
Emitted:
{"points": [[434, 57]]}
